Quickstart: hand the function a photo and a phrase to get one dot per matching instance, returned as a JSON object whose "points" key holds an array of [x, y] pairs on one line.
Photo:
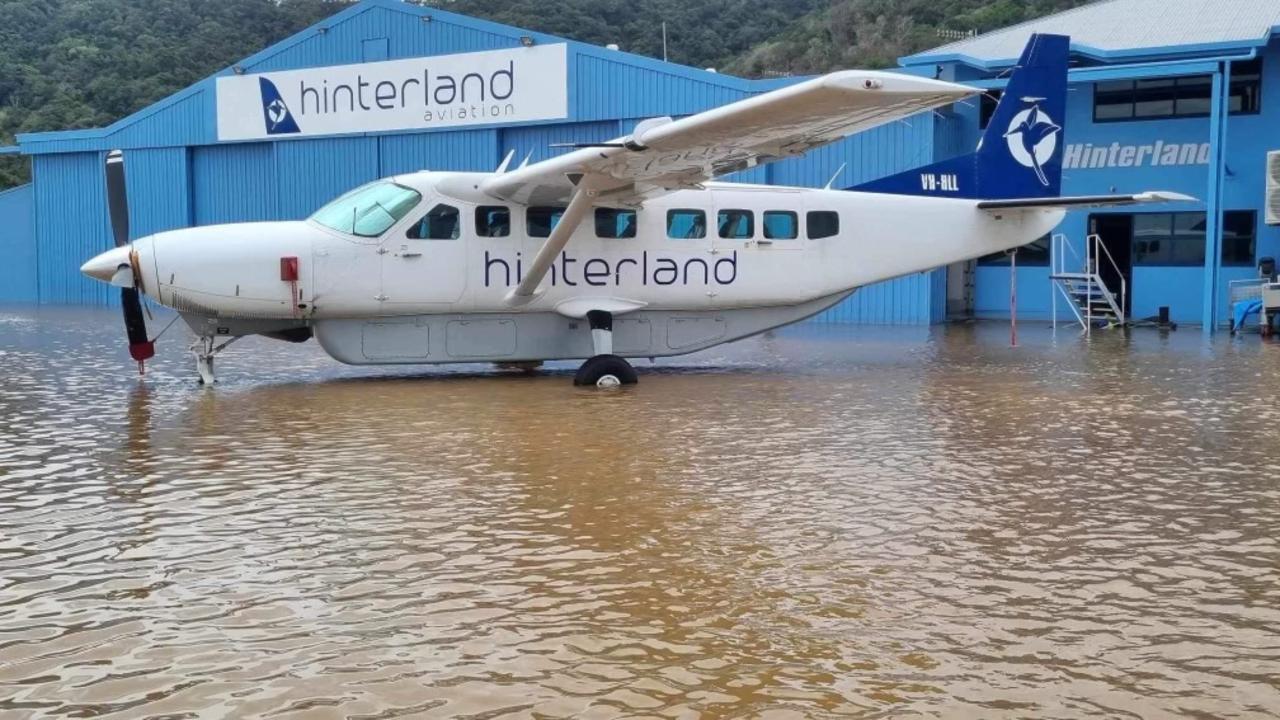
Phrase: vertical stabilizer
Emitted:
{"points": [[1020, 153]]}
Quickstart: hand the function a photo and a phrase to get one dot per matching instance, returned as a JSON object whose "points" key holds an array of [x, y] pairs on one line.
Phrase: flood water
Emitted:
{"points": [[825, 521]]}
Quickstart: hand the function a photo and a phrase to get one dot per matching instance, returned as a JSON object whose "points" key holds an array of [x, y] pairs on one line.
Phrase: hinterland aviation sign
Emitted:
{"points": [[497, 86]]}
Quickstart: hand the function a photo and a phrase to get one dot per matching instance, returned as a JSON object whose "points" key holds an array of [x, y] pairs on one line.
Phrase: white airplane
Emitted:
{"points": [[618, 250]]}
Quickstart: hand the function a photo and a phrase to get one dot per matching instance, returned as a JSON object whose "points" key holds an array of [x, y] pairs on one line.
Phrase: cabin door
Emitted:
{"points": [[424, 268]]}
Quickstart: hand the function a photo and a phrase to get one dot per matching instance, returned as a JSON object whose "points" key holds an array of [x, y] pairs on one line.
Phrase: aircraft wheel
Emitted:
{"points": [[605, 371]]}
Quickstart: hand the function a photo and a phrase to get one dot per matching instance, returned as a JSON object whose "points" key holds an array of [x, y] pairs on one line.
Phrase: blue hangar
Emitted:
{"points": [[1165, 94]]}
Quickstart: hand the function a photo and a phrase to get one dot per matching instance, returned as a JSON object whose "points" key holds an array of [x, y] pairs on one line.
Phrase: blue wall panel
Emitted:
{"points": [[470, 150], [71, 219], [539, 138], [310, 173], [18, 245], [233, 183], [159, 190]]}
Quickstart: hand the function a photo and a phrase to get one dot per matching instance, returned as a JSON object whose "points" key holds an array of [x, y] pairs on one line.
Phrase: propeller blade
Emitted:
{"points": [[117, 198], [135, 325]]}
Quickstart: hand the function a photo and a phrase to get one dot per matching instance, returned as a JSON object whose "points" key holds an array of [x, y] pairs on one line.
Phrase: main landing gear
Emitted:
{"points": [[604, 369], [203, 349]]}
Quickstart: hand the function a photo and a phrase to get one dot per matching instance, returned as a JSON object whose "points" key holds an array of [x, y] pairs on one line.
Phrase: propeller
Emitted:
{"points": [[135, 324]]}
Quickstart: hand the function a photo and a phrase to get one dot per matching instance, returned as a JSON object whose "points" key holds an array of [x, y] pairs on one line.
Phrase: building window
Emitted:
{"points": [[1178, 239], [1246, 87], [1162, 98], [685, 224], [1035, 253], [614, 223], [781, 225], [440, 223], [542, 220], [1239, 237], [987, 103], [493, 221], [736, 224], [822, 224]]}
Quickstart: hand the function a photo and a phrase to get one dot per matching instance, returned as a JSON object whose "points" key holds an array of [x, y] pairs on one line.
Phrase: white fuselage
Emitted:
{"points": [[449, 296]]}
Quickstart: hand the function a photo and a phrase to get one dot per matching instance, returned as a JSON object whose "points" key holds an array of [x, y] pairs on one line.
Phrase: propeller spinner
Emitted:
{"points": [[125, 274]]}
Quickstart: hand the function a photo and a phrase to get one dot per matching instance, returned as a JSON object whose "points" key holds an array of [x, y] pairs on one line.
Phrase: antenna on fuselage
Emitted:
{"points": [[832, 181], [525, 161], [506, 161]]}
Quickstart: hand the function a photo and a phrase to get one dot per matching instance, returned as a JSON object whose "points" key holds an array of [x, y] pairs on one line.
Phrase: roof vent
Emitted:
{"points": [[611, 46]]}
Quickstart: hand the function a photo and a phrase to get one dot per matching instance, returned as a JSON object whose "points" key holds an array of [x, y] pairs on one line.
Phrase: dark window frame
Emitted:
{"points": [[1251, 239], [700, 222], [808, 224], [483, 211], [795, 224], [616, 213], [750, 215], [1245, 84], [424, 222], [554, 213]]}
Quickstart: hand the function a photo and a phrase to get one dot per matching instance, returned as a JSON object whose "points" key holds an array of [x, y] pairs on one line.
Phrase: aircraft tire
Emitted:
{"points": [[605, 371]]}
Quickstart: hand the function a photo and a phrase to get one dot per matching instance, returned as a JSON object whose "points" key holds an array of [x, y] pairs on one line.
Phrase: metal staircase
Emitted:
{"points": [[1077, 280]]}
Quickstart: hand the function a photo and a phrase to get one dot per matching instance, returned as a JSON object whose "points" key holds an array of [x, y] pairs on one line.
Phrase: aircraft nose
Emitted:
{"points": [[104, 267]]}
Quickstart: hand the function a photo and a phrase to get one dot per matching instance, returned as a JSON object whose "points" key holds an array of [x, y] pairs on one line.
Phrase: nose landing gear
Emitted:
{"points": [[203, 349], [603, 369]]}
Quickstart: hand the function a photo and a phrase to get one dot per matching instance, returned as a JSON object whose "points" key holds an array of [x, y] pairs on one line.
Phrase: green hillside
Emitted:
{"points": [[68, 64]]}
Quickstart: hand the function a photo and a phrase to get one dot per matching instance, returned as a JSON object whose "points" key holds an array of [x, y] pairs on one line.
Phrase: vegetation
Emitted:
{"points": [[875, 33], [67, 64]]}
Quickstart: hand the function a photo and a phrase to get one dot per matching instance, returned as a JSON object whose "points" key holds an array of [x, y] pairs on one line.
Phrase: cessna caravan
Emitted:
{"points": [[614, 250]]}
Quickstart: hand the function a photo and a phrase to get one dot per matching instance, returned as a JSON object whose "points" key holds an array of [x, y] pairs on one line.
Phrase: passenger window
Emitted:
{"points": [[615, 223], [686, 224], [736, 224], [493, 221], [542, 220], [440, 223], [822, 224], [781, 225]]}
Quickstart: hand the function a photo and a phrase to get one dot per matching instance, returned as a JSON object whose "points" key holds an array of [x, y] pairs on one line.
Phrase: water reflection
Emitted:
{"points": [[872, 522]]}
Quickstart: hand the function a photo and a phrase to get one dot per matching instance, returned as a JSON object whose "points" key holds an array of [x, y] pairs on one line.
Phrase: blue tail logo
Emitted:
{"points": [[1033, 138], [1020, 154], [274, 112]]}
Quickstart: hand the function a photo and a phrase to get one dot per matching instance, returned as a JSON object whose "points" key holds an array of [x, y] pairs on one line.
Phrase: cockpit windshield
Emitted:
{"points": [[368, 210]]}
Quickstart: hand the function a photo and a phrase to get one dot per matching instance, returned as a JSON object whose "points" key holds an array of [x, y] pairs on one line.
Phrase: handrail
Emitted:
{"points": [[1095, 242]]}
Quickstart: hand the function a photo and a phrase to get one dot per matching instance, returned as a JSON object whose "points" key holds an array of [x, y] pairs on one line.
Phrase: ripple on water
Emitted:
{"points": [[824, 521]]}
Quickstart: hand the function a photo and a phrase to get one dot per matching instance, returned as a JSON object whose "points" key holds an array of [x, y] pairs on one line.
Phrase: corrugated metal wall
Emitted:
{"points": [[18, 244], [71, 220], [179, 175]]}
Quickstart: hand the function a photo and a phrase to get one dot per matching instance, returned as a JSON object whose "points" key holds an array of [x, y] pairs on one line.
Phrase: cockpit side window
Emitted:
{"points": [[493, 221], [440, 223], [369, 210]]}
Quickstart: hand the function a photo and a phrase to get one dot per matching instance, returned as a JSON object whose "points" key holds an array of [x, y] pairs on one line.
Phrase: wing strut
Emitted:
{"points": [[579, 204]]}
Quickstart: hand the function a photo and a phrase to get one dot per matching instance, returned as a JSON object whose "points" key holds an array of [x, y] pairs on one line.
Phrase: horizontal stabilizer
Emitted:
{"points": [[1083, 201]]}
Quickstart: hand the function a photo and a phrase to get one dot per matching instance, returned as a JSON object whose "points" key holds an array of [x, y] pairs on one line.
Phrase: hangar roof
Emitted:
{"points": [[1124, 29], [605, 84]]}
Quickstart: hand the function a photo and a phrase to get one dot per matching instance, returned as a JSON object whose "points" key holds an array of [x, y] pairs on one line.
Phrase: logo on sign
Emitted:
{"points": [[274, 111], [1033, 138]]}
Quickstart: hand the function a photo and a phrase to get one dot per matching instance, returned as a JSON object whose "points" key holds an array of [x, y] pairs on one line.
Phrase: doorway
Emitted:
{"points": [[1116, 232]]}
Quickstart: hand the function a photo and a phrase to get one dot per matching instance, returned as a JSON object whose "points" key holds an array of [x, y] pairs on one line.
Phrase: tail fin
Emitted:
{"points": [[1020, 153]]}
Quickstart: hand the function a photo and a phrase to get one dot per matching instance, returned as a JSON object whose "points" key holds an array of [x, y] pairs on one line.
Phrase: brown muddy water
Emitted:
{"points": [[825, 521]]}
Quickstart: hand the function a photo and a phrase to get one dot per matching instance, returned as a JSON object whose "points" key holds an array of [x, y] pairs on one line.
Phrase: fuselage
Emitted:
{"points": [[442, 247]]}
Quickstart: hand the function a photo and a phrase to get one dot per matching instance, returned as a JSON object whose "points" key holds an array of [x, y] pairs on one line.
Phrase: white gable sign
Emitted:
{"points": [[480, 88]]}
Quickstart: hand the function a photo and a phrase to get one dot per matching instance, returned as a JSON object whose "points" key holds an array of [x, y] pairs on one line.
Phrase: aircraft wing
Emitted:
{"points": [[664, 154], [1082, 201]]}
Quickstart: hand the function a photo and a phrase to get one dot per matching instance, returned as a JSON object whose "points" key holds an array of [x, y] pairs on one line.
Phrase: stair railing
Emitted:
{"points": [[1062, 252], [1095, 245]]}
